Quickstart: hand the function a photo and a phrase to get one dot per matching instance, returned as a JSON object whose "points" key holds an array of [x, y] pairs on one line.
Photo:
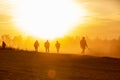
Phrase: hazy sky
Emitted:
{"points": [[103, 18], [6, 24], [103, 8]]}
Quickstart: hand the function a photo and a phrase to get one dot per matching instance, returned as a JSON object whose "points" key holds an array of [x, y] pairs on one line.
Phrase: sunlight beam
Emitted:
{"points": [[48, 18]]}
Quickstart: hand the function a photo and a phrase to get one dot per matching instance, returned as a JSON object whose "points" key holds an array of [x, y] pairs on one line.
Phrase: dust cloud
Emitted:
{"points": [[70, 45]]}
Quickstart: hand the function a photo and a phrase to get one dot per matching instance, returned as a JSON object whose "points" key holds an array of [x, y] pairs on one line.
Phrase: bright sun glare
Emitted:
{"points": [[48, 18]]}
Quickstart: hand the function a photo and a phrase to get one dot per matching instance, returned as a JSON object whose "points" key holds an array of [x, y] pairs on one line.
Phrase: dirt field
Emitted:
{"points": [[23, 65]]}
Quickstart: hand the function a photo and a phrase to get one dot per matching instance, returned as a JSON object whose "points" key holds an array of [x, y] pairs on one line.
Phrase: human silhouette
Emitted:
{"points": [[57, 45], [83, 44], [36, 45], [47, 46], [3, 45]]}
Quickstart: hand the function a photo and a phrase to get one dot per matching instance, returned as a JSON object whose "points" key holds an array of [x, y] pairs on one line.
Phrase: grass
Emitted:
{"points": [[29, 65]]}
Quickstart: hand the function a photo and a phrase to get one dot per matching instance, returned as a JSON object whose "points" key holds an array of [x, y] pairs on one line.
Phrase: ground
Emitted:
{"points": [[26, 65]]}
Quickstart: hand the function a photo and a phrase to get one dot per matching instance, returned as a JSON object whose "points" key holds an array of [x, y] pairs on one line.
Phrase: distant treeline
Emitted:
{"points": [[97, 46]]}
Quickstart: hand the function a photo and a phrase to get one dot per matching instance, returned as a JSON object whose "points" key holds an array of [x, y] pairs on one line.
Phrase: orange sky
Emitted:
{"points": [[103, 19]]}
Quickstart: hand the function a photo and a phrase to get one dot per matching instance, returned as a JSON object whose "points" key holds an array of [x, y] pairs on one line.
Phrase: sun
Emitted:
{"points": [[48, 19]]}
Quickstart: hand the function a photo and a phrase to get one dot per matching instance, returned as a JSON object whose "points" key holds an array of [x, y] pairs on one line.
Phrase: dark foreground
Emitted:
{"points": [[21, 65]]}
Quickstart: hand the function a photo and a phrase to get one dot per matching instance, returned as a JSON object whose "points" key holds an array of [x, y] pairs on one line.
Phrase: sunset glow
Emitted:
{"points": [[48, 18]]}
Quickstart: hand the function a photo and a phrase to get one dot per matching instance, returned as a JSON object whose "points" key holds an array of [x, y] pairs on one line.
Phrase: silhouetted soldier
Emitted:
{"points": [[3, 45], [57, 45], [83, 44], [36, 45], [47, 46]]}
